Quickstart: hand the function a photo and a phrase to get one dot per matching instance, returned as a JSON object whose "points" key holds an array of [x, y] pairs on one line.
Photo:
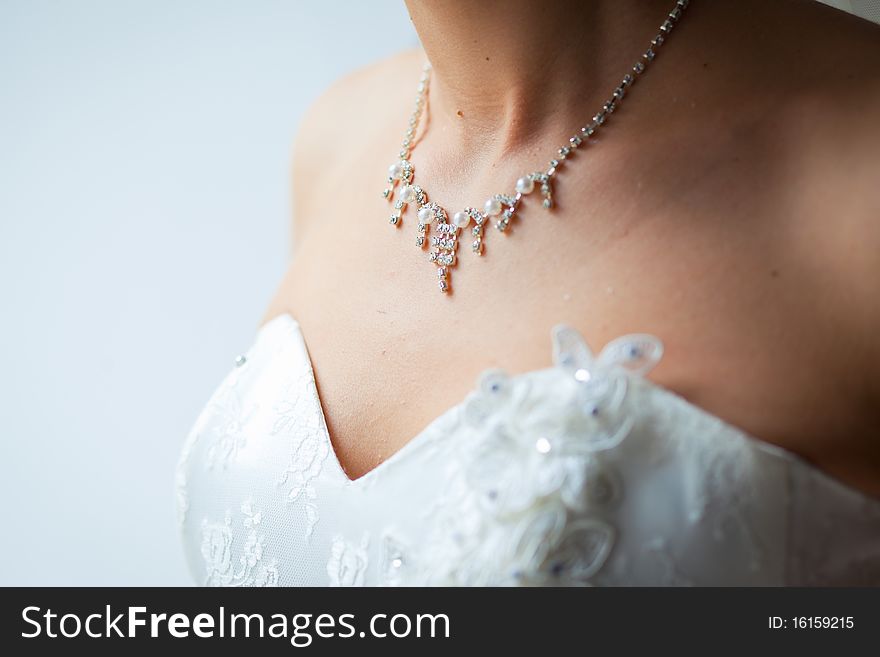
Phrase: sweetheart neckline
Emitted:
{"points": [[420, 436], [410, 445]]}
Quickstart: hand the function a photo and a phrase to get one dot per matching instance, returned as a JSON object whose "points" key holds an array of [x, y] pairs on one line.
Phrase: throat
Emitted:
{"points": [[504, 71]]}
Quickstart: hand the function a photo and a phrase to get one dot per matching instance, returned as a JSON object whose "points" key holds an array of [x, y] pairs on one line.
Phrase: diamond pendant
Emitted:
{"points": [[444, 244]]}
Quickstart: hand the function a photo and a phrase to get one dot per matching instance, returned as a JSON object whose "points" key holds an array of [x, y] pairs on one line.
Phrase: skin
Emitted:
{"points": [[731, 206]]}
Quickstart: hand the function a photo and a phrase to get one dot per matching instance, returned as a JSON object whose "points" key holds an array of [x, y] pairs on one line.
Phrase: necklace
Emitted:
{"points": [[502, 207]]}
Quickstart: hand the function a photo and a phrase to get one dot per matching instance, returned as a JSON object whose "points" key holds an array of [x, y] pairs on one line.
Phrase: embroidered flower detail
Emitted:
{"points": [[253, 516], [394, 561], [309, 446], [581, 551], [218, 546], [347, 561], [307, 457], [217, 550], [531, 486], [601, 382], [495, 389], [231, 417]]}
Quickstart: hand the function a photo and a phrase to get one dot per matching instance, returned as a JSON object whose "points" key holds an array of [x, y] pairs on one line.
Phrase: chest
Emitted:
{"points": [[391, 352]]}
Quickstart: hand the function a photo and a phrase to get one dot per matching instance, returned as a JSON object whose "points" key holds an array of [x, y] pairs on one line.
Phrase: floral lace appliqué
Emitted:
{"points": [[222, 422], [529, 484], [309, 445], [230, 415], [394, 561], [347, 562], [218, 550]]}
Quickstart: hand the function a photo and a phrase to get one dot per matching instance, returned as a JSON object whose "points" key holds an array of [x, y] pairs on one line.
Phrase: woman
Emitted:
{"points": [[399, 419]]}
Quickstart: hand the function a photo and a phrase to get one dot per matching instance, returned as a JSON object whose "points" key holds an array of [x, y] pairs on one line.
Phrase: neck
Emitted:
{"points": [[508, 72]]}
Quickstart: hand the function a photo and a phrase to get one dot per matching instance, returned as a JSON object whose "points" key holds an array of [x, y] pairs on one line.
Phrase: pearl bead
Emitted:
{"points": [[582, 375], [461, 219], [396, 170], [425, 216], [408, 194], [525, 185], [493, 207]]}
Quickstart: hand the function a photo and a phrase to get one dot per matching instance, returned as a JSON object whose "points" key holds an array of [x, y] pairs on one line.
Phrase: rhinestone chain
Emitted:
{"points": [[502, 206]]}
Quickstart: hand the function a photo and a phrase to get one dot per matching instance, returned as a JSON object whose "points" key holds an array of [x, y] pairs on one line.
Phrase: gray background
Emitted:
{"points": [[144, 217]]}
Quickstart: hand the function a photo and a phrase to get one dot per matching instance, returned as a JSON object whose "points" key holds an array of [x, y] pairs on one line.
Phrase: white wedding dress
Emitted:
{"points": [[580, 473]]}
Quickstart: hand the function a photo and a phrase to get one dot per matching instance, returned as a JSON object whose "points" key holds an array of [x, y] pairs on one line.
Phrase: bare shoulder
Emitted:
{"points": [[352, 112], [363, 108], [831, 130], [795, 85], [827, 134], [779, 115]]}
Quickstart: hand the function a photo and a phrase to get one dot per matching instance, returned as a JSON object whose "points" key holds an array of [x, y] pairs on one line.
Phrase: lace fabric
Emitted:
{"points": [[581, 473]]}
